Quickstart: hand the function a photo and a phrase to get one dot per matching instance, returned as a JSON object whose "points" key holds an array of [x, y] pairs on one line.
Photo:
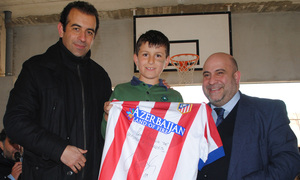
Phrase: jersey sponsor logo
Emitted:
{"points": [[155, 122], [184, 108], [139, 152]]}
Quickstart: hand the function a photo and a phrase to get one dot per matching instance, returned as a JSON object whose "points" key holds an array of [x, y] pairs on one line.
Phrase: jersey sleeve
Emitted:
{"points": [[214, 143]]}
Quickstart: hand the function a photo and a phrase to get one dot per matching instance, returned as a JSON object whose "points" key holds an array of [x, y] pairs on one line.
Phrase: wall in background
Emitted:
{"points": [[6, 86], [266, 46]]}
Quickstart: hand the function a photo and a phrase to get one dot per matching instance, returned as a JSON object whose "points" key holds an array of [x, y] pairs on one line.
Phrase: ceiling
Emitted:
{"points": [[34, 11]]}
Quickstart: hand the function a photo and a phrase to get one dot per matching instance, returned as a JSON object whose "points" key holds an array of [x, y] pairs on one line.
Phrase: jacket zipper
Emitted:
{"points": [[83, 112]]}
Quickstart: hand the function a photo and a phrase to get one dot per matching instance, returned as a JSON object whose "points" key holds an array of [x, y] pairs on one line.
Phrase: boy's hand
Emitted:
{"points": [[107, 107]]}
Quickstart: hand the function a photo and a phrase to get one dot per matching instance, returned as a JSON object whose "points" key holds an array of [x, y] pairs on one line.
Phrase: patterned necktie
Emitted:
{"points": [[220, 113]]}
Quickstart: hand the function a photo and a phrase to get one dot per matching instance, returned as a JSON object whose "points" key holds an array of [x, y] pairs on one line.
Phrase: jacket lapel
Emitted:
{"points": [[241, 132], [53, 61]]}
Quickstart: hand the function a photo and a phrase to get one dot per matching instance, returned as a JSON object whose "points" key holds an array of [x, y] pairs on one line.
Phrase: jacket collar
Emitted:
{"points": [[244, 119], [68, 56], [58, 53]]}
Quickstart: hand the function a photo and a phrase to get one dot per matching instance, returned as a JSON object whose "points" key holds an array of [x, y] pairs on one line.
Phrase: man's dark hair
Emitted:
{"points": [[83, 7], [2, 135], [154, 38]]}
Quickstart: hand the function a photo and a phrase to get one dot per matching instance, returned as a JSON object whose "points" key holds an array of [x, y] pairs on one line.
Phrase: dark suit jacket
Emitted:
{"points": [[264, 146]]}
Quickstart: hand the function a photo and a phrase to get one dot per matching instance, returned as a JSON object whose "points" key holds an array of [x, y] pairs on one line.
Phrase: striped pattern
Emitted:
{"points": [[139, 151]]}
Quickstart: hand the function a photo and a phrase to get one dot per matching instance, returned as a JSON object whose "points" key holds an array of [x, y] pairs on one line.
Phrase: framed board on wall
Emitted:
{"points": [[198, 33]]}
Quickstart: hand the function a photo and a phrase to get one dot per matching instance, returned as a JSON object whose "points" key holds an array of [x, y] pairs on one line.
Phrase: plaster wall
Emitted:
{"points": [[6, 86], [266, 46]]}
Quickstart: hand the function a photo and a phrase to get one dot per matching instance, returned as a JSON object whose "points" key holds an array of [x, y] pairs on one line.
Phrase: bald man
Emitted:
{"points": [[257, 138]]}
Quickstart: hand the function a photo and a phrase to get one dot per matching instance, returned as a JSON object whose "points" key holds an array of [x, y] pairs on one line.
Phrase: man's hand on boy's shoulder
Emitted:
{"points": [[166, 84]]}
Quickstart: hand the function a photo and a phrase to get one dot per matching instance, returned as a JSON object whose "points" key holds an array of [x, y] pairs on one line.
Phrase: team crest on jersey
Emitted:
{"points": [[184, 108], [150, 120]]}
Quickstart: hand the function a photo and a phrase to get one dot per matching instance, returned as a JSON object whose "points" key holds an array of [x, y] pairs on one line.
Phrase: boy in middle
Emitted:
{"points": [[151, 57]]}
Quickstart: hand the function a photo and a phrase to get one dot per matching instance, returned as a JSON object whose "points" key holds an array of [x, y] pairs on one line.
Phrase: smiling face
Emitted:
{"points": [[220, 79], [151, 60], [79, 33]]}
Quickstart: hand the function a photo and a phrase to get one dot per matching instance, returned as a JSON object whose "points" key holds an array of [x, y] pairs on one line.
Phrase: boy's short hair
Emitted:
{"points": [[83, 7], [154, 38]]}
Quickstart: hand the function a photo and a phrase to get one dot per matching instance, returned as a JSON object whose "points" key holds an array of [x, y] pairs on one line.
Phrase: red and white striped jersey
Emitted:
{"points": [[158, 140]]}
